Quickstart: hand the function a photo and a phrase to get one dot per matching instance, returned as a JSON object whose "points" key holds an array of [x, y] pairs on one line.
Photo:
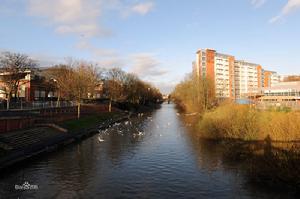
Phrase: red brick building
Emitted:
{"points": [[33, 87]]}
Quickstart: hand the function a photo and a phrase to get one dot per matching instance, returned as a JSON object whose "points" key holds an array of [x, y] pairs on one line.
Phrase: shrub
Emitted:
{"points": [[244, 122]]}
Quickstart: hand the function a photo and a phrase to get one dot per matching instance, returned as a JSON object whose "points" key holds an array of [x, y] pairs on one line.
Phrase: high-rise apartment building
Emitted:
{"points": [[232, 78], [247, 78], [219, 68]]}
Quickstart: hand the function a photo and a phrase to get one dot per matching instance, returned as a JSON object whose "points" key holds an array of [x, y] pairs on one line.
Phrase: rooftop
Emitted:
{"points": [[285, 86]]}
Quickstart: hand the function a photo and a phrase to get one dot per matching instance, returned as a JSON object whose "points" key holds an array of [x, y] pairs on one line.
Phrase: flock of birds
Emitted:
{"points": [[132, 127]]}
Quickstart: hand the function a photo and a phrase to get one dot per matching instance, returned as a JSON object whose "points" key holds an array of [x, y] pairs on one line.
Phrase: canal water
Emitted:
{"points": [[153, 156]]}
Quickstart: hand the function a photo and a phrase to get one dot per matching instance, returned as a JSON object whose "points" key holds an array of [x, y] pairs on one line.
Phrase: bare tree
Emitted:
{"points": [[84, 82], [115, 85], [132, 86], [60, 76], [127, 87], [13, 68], [194, 94], [74, 81]]}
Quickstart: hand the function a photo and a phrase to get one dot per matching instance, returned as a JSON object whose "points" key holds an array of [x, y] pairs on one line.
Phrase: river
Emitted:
{"points": [[153, 156]]}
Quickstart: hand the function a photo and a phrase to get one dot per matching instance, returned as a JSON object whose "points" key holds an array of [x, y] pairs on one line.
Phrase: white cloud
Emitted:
{"points": [[105, 58], [115, 62], [165, 87], [142, 8], [82, 17], [137, 8], [76, 16], [47, 60], [258, 3], [290, 6], [96, 52], [146, 66]]}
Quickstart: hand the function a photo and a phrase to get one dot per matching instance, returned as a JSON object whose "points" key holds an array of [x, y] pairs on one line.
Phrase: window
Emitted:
{"points": [[36, 93], [43, 94]]}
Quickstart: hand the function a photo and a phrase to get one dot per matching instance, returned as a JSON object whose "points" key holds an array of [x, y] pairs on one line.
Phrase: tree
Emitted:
{"points": [[74, 81], [122, 86], [13, 68], [194, 94], [84, 82], [115, 85], [60, 76], [132, 88]]}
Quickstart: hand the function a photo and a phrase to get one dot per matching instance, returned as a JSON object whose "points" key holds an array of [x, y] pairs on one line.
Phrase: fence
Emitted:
{"points": [[294, 105], [35, 105]]}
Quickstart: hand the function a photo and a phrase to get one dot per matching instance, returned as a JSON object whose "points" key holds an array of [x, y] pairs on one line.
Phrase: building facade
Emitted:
{"points": [[219, 68], [247, 79], [31, 87], [283, 94], [235, 79]]}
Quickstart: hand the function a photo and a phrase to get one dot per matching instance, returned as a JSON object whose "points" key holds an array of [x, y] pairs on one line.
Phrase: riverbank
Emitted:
{"points": [[24, 144], [233, 121], [265, 143]]}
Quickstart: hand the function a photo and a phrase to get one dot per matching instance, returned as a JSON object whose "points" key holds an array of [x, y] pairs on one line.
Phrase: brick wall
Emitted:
{"points": [[47, 115], [15, 123]]}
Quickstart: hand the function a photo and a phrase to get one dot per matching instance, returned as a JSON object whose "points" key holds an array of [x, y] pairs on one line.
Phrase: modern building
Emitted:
{"points": [[271, 78], [289, 78], [235, 79], [247, 79], [219, 68], [285, 94]]}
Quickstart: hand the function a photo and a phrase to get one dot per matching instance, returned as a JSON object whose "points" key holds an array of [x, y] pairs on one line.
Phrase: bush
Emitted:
{"points": [[230, 121], [244, 122]]}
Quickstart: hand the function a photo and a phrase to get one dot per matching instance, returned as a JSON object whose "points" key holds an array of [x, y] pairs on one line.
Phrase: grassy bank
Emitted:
{"points": [[90, 121], [244, 122]]}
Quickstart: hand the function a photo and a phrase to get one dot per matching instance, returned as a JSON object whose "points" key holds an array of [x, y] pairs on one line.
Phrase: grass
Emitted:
{"points": [[88, 121], [243, 122]]}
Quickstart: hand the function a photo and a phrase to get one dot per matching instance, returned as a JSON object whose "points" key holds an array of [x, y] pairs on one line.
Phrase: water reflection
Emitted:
{"points": [[167, 160]]}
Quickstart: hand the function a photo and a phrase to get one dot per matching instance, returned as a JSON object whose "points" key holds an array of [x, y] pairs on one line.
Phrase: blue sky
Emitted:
{"points": [[155, 39]]}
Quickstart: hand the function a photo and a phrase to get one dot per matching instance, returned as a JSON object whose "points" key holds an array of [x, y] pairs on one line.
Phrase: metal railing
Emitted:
{"points": [[267, 105], [36, 105]]}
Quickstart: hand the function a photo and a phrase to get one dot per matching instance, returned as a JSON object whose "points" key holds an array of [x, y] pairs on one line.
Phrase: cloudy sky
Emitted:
{"points": [[155, 39]]}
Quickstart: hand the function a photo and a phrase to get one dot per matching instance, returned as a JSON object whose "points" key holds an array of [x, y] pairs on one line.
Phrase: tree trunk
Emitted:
{"points": [[78, 110], [17, 93], [7, 102], [58, 100], [109, 106]]}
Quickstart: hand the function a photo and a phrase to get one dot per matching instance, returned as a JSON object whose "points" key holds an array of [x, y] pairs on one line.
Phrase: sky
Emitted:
{"points": [[155, 39]]}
